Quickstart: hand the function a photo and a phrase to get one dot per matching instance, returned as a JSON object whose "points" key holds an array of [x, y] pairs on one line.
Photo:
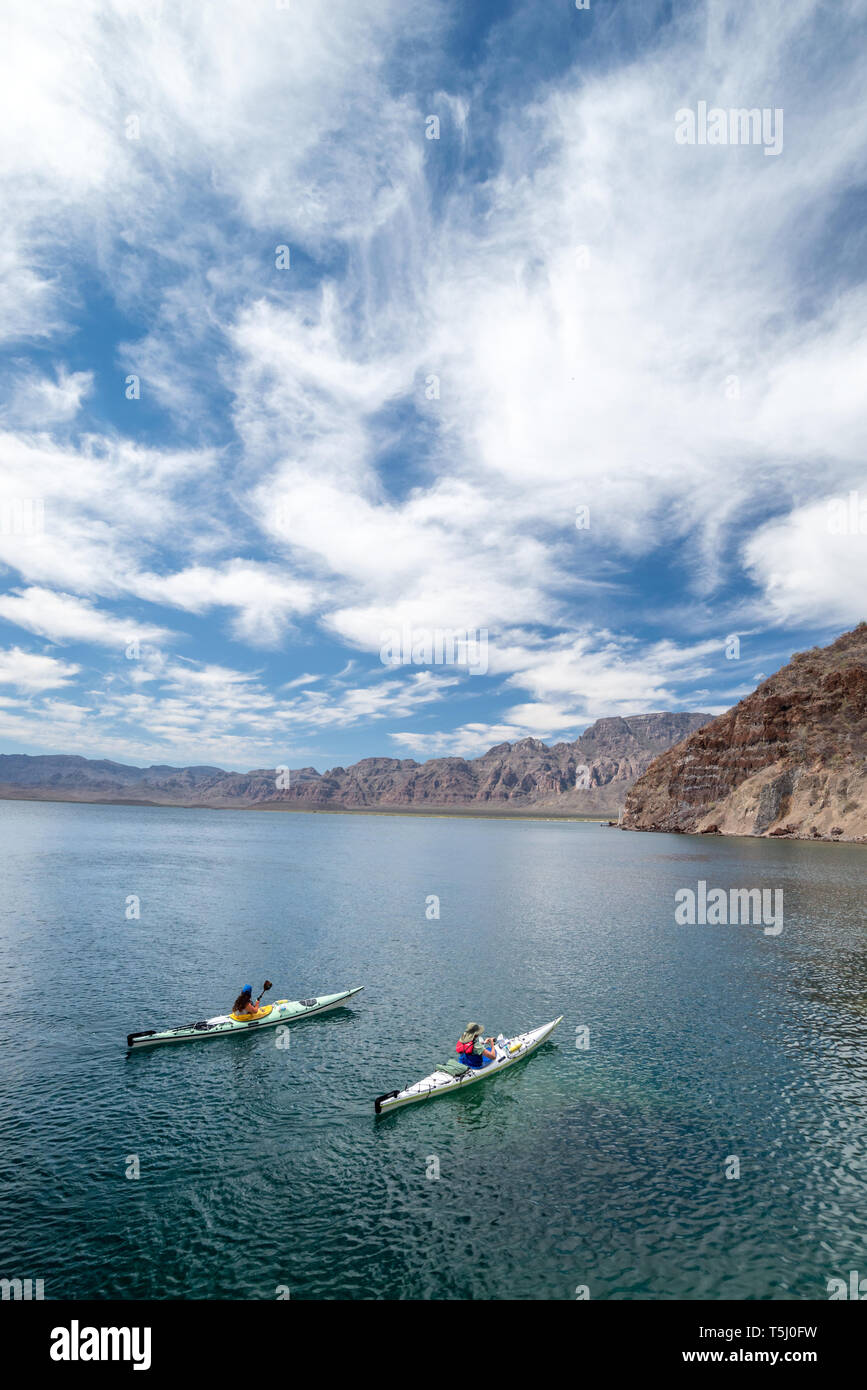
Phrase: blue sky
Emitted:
{"points": [[555, 305]]}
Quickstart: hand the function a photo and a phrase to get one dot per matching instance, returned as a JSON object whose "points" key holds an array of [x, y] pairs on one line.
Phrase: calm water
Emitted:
{"points": [[263, 1167]]}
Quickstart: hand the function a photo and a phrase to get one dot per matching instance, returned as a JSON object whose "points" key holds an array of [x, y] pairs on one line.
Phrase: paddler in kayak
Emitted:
{"points": [[473, 1049], [245, 1003]]}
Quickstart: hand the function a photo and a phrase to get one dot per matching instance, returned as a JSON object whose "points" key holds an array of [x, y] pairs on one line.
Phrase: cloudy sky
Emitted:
{"points": [[323, 321]]}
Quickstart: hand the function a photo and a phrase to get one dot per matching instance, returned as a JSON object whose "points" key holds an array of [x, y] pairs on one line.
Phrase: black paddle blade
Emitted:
{"points": [[267, 985]]}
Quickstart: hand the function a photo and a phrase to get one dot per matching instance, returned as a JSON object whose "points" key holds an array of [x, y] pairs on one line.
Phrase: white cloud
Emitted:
{"points": [[28, 297], [29, 671], [38, 402], [306, 679], [469, 741], [264, 599], [109, 505], [271, 110], [110, 508], [808, 569], [192, 713], [667, 383], [65, 618]]}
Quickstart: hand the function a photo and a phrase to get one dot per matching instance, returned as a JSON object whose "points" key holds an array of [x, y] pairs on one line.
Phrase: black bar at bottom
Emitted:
{"points": [[59, 1338]]}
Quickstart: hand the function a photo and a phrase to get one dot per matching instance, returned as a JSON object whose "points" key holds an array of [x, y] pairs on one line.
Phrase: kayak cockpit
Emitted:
{"points": [[251, 1018]]}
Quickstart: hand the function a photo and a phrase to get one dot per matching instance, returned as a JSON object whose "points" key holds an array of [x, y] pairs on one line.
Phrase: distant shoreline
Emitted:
{"points": [[444, 812]]}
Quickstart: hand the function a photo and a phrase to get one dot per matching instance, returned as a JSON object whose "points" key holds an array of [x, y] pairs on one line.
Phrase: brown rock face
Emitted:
{"points": [[589, 776], [790, 759]]}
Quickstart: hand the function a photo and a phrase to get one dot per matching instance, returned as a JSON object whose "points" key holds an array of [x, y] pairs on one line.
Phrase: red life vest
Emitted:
{"points": [[463, 1047]]}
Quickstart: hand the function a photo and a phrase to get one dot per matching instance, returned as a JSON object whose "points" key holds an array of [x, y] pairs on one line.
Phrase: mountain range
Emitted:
{"points": [[588, 776]]}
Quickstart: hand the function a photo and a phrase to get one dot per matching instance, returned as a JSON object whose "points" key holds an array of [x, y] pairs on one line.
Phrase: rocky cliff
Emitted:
{"points": [[589, 776], [789, 760]]}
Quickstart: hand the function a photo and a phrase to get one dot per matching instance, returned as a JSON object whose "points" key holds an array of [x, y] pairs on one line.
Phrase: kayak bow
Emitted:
{"points": [[284, 1011], [442, 1082]]}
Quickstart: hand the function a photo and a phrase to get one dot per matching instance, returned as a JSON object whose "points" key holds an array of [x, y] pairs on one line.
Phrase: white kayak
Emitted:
{"points": [[284, 1011], [442, 1082]]}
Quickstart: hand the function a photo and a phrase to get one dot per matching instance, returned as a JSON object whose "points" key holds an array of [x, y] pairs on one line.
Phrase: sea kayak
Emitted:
{"points": [[454, 1076], [283, 1011]]}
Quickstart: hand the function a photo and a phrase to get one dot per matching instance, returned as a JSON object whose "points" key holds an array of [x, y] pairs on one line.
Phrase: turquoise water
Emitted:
{"points": [[264, 1168]]}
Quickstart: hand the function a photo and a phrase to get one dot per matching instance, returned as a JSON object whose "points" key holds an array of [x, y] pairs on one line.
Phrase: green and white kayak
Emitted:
{"points": [[283, 1011], [443, 1082]]}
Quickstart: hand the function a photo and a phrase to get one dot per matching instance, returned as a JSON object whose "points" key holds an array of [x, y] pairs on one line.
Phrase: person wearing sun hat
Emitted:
{"points": [[473, 1048]]}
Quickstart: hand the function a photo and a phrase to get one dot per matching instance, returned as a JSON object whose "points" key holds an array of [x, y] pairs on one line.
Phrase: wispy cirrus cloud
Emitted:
{"points": [[36, 402]]}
